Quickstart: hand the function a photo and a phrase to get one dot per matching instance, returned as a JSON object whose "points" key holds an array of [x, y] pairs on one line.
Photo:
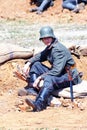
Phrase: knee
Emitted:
{"points": [[35, 67], [48, 82], [37, 63]]}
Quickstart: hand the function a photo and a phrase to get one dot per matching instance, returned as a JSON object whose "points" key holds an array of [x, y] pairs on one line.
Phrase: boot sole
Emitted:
{"points": [[30, 103], [22, 92]]}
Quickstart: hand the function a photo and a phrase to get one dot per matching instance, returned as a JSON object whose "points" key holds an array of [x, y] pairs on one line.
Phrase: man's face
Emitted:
{"points": [[47, 40]]}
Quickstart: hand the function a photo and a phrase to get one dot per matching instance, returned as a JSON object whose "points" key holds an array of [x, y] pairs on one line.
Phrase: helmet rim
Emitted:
{"points": [[45, 32]]}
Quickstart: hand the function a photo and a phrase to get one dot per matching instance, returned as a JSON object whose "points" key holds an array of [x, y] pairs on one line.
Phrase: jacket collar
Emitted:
{"points": [[52, 44]]}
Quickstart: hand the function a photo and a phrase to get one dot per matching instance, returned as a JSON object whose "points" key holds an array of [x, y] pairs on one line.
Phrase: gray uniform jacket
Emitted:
{"points": [[58, 56]]}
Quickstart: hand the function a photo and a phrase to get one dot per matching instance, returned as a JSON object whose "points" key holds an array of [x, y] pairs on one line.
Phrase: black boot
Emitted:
{"points": [[33, 10], [41, 101], [29, 89], [32, 78]]}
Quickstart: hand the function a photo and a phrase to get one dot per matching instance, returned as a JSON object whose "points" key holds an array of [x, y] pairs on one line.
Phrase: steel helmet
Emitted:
{"points": [[46, 31]]}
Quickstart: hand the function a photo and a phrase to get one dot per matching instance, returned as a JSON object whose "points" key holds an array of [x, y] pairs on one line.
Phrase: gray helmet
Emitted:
{"points": [[46, 31]]}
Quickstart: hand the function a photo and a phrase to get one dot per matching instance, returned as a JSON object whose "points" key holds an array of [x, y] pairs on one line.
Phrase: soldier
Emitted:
{"points": [[56, 76], [41, 5], [74, 5]]}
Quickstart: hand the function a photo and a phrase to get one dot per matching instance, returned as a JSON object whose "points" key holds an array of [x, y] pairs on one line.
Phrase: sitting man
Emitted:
{"points": [[74, 5], [53, 77], [41, 5]]}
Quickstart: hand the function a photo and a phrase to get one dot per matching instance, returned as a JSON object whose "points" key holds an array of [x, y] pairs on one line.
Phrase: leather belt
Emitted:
{"points": [[70, 67], [73, 67]]}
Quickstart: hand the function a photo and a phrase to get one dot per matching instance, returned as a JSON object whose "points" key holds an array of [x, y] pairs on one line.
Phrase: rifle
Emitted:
{"points": [[68, 69]]}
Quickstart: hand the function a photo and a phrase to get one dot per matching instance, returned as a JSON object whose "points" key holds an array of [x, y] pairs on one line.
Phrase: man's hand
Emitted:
{"points": [[36, 82], [26, 68]]}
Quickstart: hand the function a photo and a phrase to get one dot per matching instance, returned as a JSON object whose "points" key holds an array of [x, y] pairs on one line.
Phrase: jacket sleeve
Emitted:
{"points": [[39, 57]]}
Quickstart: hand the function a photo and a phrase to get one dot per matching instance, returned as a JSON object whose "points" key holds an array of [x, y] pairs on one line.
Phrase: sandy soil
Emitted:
{"points": [[20, 9], [14, 113]]}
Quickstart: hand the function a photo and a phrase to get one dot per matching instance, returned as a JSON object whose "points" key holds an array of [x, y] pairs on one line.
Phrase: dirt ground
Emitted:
{"points": [[14, 113], [20, 9]]}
